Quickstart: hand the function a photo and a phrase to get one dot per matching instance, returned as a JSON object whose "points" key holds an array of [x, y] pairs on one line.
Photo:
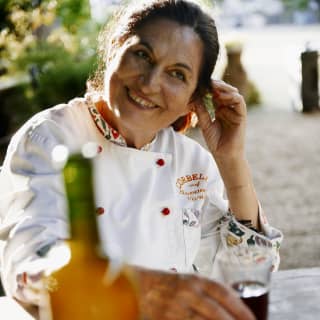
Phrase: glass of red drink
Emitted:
{"points": [[248, 271]]}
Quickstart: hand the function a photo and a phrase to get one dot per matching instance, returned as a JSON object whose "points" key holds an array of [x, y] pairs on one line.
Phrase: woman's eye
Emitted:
{"points": [[144, 55], [179, 75]]}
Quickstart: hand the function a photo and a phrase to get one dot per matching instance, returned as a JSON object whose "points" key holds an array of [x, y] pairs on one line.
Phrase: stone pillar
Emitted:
{"points": [[236, 75]]}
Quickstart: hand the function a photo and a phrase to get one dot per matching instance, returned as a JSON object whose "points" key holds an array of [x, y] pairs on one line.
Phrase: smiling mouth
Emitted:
{"points": [[142, 103]]}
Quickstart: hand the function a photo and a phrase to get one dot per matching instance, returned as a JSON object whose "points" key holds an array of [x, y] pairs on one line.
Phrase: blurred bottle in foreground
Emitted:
{"points": [[83, 288]]}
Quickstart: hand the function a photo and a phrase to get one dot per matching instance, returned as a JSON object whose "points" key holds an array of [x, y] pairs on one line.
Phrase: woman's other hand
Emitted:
{"points": [[173, 296], [225, 138]]}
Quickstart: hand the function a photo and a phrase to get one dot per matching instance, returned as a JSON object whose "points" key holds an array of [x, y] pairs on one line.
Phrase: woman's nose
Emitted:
{"points": [[150, 82]]}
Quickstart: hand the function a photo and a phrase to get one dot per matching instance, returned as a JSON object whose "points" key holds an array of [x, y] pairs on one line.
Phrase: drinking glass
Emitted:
{"points": [[248, 271]]}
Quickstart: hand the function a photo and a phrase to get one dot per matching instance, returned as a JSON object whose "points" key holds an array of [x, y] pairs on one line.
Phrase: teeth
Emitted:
{"points": [[140, 100]]}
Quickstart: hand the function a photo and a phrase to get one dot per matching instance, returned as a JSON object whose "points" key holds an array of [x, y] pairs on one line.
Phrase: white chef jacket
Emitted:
{"points": [[160, 208]]}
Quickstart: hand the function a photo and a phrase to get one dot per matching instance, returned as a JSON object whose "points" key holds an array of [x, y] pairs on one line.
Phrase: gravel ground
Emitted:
{"points": [[283, 149]]}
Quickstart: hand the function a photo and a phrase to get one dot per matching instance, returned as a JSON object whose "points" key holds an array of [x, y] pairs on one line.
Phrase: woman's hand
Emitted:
{"points": [[225, 138], [225, 134], [173, 296]]}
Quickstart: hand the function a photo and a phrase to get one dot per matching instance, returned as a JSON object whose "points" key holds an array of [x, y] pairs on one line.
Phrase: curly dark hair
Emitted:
{"points": [[128, 19]]}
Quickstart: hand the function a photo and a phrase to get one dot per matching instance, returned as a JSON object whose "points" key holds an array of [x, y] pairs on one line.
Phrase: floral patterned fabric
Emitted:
{"points": [[235, 234], [108, 132]]}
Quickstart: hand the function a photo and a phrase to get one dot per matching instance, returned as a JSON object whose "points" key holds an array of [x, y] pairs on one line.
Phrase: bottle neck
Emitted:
{"points": [[80, 197], [83, 225], [84, 240]]}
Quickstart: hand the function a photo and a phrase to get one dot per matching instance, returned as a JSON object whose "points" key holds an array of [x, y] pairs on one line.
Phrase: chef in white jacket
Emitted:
{"points": [[159, 195]]}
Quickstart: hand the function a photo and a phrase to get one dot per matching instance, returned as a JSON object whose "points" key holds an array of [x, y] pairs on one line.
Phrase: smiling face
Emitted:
{"points": [[150, 81]]}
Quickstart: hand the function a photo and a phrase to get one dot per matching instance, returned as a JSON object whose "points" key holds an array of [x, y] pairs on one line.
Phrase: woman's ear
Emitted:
{"points": [[197, 98], [192, 106]]}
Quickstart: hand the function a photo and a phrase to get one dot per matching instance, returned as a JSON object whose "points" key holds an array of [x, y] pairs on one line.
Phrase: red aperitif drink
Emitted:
{"points": [[255, 296]]}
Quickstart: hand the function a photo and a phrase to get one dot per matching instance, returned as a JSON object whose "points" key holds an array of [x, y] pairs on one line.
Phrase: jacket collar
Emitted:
{"points": [[104, 127]]}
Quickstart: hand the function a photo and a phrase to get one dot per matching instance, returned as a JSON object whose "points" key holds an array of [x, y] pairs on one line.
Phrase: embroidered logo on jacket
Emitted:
{"points": [[192, 186], [191, 217]]}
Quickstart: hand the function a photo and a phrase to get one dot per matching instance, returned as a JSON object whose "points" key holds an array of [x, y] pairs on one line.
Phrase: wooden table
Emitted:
{"points": [[295, 295]]}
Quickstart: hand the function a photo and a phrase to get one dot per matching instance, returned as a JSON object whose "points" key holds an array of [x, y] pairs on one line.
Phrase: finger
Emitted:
{"points": [[228, 299], [177, 309], [223, 86], [153, 304], [229, 115], [195, 317], [228, 98], [232, 100], [182, 314], [201, 305], [223, 118]]}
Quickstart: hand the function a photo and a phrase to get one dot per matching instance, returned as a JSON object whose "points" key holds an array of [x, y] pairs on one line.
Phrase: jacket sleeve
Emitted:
{"points": [[32, 209], [221, 231]]}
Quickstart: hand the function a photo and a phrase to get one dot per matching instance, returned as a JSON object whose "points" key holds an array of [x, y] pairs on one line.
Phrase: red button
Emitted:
{"points": [[165, 211], [99, 149], [99, 211], [160, 162]]}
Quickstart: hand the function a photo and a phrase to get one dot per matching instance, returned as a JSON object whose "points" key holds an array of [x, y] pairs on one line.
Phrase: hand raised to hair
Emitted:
{"points": [[225, 134], [172, 296]]}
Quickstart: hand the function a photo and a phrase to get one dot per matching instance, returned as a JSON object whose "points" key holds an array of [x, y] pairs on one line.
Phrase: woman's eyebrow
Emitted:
{"points": [[183, 65], [146, 44], [179, 64]]}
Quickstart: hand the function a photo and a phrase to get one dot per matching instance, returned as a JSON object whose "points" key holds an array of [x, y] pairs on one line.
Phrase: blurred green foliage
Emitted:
{"points": [[70, 78], [51, 41], [73, 13], [296, 4]]}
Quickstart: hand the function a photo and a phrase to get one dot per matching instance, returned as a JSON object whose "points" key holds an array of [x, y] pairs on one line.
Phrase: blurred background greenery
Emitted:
{"points": [[47, 51]]}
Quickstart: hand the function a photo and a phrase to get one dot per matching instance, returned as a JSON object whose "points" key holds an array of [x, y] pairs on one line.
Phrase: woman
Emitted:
{"points": [[159, 194]]}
